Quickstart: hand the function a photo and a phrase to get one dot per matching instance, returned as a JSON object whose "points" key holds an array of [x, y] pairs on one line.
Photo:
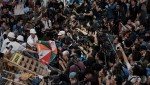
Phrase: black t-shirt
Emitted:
{"points": [[87, 9], [133, 12], [97, 14]]}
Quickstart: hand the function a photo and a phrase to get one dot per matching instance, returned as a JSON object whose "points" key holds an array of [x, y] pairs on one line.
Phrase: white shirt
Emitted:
{"points": [[22, 47], [47, 24], [32, 40], [4, 44], [19, 9], [15, 46]]}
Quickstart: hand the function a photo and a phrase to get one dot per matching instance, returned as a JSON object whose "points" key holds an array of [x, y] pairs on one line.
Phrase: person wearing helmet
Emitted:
{"points": [[32, 39], [10, 38]]}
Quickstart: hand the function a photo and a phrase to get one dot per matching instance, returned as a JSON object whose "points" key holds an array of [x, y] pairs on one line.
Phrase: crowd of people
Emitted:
{"points": [[99, 42]]}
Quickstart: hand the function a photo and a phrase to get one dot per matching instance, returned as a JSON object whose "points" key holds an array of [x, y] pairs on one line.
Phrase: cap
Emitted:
{"points": [[61, 33], [11, 35], [72, 75], [20, 38], [32, 31]]}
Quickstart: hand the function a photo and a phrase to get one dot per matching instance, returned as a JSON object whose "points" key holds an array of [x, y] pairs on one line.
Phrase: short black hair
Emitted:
{"points": [[128, 42], [2, 22], [100, 55], [120, 39]]}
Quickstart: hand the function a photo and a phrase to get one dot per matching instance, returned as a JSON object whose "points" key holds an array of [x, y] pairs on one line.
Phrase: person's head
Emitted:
{"points": [[137, 23], [142, 26], [4, 9], [64, 77], [111, 1], [20, 21], [142, 1], [12, 19], [4, 18], [45, 16], [118, 7], [3, 24], [143, 50], [65, 54], [11, 36], [7, 29], [75, 3], [32, 33], [61, 34], [61, 5], [100, 56], [88, 73], [20, 39], [117, 40], [73, 78], [129, 22], [128, 43], [133, 2]]}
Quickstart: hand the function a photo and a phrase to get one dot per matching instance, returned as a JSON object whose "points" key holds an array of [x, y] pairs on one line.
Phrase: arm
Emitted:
{"points": [[88, 14], [30, 51], [125, 57], [95, 37], [61, 64], [85, 33], [81, 48]]}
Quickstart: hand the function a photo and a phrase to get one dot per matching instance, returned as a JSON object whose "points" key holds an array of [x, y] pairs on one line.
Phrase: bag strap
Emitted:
{"points": [[48, 23]]}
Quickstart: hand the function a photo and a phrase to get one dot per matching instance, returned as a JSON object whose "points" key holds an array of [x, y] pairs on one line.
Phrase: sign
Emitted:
{"points": [[16, 58]]}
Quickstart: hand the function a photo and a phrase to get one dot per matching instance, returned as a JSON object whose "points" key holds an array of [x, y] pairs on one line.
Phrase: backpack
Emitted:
{"points": [[80, 73]]}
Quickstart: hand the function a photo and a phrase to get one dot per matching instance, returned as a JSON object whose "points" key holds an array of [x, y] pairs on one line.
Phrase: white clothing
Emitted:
{"points": [[128, 66], [32, 41], [1, 39], [47, 24], [15, 46], [19, 9], [22, 47], [4, 44], [45, 3]]}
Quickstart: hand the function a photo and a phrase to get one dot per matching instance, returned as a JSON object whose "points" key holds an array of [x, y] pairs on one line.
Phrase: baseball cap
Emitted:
{"points": [[72, 75]]}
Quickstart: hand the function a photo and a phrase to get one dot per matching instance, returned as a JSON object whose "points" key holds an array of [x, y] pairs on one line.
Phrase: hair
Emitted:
{"points": [[2, 22], [128, 42], [64, 77], [100, 55], [19, 19]]}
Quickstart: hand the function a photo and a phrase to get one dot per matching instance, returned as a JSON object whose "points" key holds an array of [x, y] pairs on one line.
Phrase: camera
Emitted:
{"points": [[117, 46]]}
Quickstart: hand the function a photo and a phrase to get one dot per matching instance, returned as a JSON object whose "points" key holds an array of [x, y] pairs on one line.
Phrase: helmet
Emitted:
{"points": [[20, 38], [11, 35], [32, 31]]}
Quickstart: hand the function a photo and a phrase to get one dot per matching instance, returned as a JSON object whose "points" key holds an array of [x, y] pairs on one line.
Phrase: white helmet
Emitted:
{"points": [[11, 35], [20, 38], [32, 31]]}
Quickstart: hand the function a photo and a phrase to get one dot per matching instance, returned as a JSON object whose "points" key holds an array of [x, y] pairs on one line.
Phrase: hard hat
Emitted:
{"points": [[61, 33], [32, 31], [11, 35], [20, 38]]}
